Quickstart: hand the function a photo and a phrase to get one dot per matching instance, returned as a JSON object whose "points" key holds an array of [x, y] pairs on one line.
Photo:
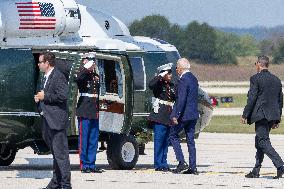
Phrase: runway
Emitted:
{"points": [[223, 160]]}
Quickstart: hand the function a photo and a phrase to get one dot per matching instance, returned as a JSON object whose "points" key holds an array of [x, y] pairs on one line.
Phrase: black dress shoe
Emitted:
{"points": [[252, 175], [166, 169], [280, 173], [65, 187], [52, 185], [190, 171], [182, 166], [85, 170], [97, 170]]}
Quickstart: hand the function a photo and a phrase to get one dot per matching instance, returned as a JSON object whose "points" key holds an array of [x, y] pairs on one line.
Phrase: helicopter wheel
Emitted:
{"points": [[7, 155], [122, 152]]}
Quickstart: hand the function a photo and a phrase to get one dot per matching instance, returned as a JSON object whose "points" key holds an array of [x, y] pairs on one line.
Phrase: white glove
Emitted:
{"points": [[163, 73], [89, 64]]}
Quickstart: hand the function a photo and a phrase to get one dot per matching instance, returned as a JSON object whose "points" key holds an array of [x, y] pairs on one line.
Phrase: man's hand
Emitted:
{"points": [[275, 125], [175, 121], [243, 120], [39, 95]]}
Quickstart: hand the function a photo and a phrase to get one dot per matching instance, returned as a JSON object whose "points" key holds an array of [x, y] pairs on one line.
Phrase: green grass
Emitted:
{"points": [[239, 100], [231, 124]]}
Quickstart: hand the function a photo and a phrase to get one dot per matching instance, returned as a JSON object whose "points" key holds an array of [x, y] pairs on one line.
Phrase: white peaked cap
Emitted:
{"points": [[89, 55], [164, 67]]}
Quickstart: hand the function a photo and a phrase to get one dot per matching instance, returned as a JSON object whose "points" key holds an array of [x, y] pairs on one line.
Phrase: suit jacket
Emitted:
{"points": [[54, 105], [265, 98], [87, 107], [186, 104]]}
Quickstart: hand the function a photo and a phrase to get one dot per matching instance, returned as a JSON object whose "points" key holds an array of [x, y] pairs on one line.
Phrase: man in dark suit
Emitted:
{"points": [[53, 106], [264, 108], [184, 116]]}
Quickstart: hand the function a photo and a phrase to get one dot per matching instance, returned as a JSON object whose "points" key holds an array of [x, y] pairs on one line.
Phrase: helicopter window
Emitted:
{"points": [[110, 77], [138, 69]]}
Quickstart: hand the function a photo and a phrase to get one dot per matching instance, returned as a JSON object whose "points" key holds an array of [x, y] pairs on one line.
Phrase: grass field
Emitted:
{"points": [[240, 72], [231, 124]]}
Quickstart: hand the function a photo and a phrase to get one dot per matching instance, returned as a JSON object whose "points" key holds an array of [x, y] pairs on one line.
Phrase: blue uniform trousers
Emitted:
{"points": [[189, 128], [161, 143], [88, 142]]}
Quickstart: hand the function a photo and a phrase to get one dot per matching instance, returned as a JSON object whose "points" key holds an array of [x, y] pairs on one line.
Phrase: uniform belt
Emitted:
{"points": [[166, 102], [89, 95]]}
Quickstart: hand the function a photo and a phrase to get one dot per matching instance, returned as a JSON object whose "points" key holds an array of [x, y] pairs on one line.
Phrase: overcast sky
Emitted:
{"points": [[232, 13]]}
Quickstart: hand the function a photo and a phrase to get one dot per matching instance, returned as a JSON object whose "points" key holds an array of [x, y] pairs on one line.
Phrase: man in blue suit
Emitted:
{"points": [[184, 116]]}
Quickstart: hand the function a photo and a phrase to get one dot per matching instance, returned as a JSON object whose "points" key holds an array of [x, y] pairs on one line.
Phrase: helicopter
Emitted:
{"points": [[125, 65]]}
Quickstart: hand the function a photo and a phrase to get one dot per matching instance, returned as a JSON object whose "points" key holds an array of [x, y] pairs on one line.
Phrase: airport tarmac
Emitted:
{"points": [[223, 160]]}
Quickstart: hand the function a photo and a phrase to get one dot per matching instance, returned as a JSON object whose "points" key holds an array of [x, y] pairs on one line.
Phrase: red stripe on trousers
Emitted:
{"points": [[80, 147]]}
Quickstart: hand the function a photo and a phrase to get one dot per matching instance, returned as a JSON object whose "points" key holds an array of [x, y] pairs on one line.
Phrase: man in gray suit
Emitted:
{"points": [[264, 108], [52, 100]]}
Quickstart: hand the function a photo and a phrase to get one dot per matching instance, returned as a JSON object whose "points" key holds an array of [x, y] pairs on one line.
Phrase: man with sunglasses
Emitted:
{"points": [[52, 101], [264, 108], [163, 90]]}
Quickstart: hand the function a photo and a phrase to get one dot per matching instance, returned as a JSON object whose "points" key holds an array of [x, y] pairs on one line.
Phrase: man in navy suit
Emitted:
{"points": [[184, 116], [52, 101]]}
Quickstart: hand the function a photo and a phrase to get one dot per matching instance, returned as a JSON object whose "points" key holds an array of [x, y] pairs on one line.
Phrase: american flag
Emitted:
{"points": [[36, 16]]}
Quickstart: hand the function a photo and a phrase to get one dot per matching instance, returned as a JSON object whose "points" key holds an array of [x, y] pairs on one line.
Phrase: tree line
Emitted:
{"points": [[205, 44]]}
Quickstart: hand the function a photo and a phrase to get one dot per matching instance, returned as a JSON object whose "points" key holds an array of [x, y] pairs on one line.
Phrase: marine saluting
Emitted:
{"points": [[163, 101], [88, 113]]}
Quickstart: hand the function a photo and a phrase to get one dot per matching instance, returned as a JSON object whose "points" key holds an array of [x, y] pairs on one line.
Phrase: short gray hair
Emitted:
{"points": [[183, 63], [263, 61]]}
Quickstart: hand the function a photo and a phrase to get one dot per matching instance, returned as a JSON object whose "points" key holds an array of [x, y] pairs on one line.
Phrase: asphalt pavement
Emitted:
{"points": [[223, 160]]}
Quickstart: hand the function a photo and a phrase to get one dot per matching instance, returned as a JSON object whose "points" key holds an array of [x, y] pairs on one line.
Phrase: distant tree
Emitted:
{"points": [[227, 45], [248, 46], [278, 54], [200, 42], [155, 26], [266, 47], [177, 37]]}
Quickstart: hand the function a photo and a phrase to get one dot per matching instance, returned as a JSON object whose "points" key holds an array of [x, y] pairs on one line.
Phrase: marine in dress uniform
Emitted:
{"points": [[88, 114], [163, 101]]}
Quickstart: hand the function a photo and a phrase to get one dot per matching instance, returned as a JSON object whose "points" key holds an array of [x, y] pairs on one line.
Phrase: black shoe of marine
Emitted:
{"points": [[97, 170], [85, 170]]}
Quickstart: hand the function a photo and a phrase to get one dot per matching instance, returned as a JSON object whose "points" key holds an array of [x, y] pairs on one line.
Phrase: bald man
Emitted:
{"points": [[184, 116]]}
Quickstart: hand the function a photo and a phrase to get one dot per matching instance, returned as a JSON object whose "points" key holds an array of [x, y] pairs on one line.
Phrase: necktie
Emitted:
{"points": [[42, 83]]}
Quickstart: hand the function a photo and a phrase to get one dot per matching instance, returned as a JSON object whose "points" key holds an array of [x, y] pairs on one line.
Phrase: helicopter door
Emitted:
{"points": [[112, 93], [17, 89]]}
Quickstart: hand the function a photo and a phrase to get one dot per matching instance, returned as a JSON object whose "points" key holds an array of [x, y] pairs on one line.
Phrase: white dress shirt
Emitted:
{"points": [[46, 76], [186, 71]]}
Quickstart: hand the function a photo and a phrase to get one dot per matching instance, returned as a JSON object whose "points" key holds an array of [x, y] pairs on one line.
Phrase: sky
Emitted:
{"points": [[220, 13]]}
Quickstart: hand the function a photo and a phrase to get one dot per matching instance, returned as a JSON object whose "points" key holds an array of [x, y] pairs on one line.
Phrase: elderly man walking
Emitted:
{"points": [[184, 116]]}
